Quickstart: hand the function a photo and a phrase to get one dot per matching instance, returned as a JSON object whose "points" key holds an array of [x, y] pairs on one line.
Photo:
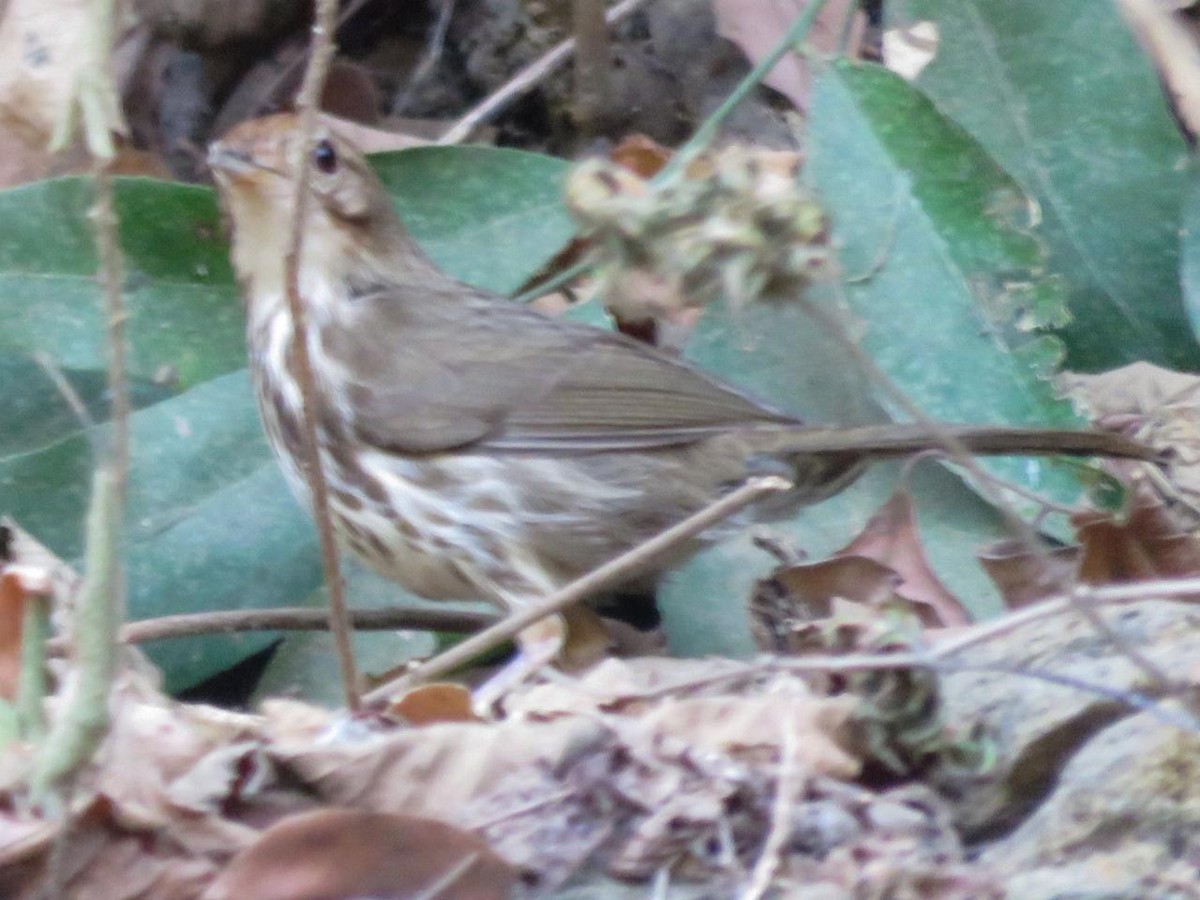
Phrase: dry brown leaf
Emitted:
{"points": [[1149, 543], [625, 685], [40, 45], [756, 26], [892, 538], [431, 703], [1024, 578], [641, 155], [1140, 390], [883, 563], [432, 771], [338, 853], [1158, 406], [753, 725], [19, 586], [44, 47]]}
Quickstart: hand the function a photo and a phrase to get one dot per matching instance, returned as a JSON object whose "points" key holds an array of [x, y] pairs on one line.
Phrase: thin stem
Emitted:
{"points": [[184, 625], [306, 103], [592, 65], [104, 220], [704, 135], [617, 570]]}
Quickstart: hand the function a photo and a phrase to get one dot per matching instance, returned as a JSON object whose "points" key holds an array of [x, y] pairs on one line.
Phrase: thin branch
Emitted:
{"points": [[307, 103], [104, 218], [593, 62], [83, 717], [297, 618], [787, 789], [296, 59], [433, 53], [1064, 603], [700, 141], [617, 570], [527, 78]]}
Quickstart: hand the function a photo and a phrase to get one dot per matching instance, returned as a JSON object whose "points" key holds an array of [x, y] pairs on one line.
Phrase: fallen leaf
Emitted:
{"points": [[884, 563], [341, 854], [1024, 577], [641, 155], [431, 703], [752, 726], [1150, 543]]}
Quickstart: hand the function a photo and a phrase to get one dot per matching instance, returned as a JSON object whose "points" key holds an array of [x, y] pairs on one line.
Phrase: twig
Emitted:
{"points": [[184, 625], [433, 52], [437, 890], [593, 61], [55, 373], [620, 569], [288, 69], [787, 789], [940, 655], [548, 62], [83, 720], [104, 219], [1053, 606], [306, 103], [83, 717], [704, 135]]}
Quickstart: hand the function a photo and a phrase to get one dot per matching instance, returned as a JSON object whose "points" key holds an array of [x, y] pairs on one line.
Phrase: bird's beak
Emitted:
{"points": [[230, 164]]}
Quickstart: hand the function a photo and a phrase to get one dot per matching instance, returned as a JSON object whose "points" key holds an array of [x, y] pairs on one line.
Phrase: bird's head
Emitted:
{"points": [[350, 229]]}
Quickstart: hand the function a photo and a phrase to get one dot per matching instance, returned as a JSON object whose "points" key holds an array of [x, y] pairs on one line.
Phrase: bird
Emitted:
{"points": [[475, 448]]}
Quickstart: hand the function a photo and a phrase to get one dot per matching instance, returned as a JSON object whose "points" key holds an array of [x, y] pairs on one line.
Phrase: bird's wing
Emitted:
{"points": [[428, 376]]}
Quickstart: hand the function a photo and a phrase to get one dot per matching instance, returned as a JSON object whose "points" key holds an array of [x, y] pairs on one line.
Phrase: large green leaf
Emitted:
{"points": [[1061, 95], [491, 217], [949, 292], [210, 524], [954, 290], [184, 317]]}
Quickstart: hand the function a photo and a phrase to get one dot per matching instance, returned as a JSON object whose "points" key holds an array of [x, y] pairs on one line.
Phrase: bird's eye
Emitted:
{"points": [[325, 157]]}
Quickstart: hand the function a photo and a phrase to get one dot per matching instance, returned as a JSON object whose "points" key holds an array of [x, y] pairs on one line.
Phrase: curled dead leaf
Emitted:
{"points": [[341, 854]]}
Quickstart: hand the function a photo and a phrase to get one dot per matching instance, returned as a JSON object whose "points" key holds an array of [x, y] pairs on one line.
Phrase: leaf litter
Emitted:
{"points": [[639, 770], [636, 769]]}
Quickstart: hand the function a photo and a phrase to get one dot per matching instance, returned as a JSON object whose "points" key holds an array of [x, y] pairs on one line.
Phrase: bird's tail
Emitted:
{"points": [[887, 441]]}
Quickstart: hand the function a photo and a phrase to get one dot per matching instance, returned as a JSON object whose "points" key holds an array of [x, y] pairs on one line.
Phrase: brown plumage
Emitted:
{"points": [[476, 448]]}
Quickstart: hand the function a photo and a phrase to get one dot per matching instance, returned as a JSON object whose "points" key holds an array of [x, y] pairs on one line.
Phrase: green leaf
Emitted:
{"points": [[949, 301], [184, 316], [210, 524], [1189, 252], [1062, 96], [489, 216], [951, 289], [34, 412]]}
